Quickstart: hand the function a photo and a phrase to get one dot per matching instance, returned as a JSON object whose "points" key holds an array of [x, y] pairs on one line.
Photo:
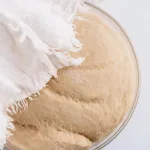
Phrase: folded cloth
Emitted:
{"points": [[36, 38]]}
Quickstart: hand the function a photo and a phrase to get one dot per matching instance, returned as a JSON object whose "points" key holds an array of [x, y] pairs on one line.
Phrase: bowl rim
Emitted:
{"points": [[127, 118]]}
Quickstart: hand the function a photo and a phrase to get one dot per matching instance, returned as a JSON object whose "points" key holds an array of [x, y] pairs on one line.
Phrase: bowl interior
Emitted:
{"points": [[118, 28]]}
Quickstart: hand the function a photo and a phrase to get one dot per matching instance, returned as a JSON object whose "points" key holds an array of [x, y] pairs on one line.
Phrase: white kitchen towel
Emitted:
{"points": [[36, 37]]}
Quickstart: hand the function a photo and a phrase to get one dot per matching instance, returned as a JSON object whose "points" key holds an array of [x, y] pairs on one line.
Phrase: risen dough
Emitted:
{"points": [[85, 103]]}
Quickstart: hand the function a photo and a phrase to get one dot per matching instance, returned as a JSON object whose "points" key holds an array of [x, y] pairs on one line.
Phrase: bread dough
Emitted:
{"points": [[85, 103]]}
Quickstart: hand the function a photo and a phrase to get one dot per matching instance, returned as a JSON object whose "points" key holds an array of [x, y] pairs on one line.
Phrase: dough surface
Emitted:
{"points": [[85, 103]]}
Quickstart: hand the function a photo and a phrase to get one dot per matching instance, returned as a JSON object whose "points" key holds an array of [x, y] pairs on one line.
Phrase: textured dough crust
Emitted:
{"points": [[85, 103]]}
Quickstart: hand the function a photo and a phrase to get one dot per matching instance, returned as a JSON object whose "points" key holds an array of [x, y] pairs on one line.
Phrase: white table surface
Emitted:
{"points": [[134, 16]]}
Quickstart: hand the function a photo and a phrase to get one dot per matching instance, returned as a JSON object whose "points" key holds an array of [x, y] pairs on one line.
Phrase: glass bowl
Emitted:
{"points": [[110, 20]]}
